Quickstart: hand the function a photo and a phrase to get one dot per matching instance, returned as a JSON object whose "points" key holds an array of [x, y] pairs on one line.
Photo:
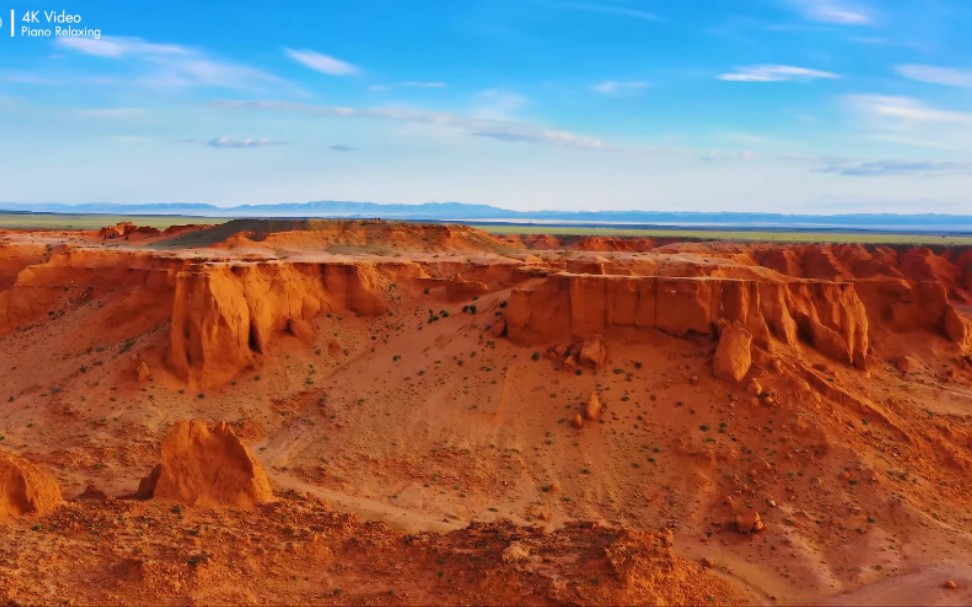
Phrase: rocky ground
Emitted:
{"points": [[430, 414]]}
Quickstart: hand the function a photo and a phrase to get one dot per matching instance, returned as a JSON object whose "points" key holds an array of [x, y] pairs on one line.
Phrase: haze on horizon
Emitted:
{"points": [[796, 106]]}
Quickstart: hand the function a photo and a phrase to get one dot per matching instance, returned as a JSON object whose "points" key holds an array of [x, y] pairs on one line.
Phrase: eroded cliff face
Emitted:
{"points": [[223, 315], [42, 285], [826, 315], [224, 310]]}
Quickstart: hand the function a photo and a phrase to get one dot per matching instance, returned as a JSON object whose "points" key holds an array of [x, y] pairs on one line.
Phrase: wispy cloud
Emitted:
{"points": [[324, 64], [173, 66], [616, 87], [501, 130], [934, 74], [775, 73], [424, 85], [497, 104], [891, 168], [229, 142], [109, 46], [904, 109], [909, 121], [408, 84], [857, 167], [340, 147], [115, 113], [29, 79], [833, 11], [608, 9]]}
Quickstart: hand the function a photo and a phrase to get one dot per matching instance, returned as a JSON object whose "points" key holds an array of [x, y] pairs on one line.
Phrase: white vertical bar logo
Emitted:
{"points": [[12, 15]]}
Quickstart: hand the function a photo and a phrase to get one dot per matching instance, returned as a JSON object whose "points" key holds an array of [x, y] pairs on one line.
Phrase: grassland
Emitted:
{"points": [[56, 221], [737, 235], [53, 221]]}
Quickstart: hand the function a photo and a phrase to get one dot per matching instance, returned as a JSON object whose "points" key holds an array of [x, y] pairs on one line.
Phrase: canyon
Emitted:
{"points": [[372, 412]]}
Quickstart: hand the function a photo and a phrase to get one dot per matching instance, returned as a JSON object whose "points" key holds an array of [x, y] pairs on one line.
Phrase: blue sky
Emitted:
{"points": [[816, 106]]}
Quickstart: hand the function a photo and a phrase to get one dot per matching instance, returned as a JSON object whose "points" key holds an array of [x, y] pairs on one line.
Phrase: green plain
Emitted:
{"points": [[54, 221]]}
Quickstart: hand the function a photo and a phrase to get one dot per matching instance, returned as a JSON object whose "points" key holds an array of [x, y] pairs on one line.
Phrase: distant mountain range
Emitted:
{"points": [[481, 213]]}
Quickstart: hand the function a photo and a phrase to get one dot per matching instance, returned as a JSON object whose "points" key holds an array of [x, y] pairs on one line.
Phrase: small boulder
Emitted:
{"points": [[734, 356], [143, 372], [906, 365], [754, 387], [301, 329], [957, 328], [578, 421], [26, 488], [499, 328], [593, 353], [749, 521], [93, 493], [334, 347], [515, 553], [206, 467], [951, 584], [592, 408]]}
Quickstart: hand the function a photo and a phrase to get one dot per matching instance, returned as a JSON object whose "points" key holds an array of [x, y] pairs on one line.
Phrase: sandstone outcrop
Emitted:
{"points": [[749, 521], [206, 467], [828, 316], [26, 488], [958, 329], [142, 372], [592, 408], [223, 315], [592, 352], [734, 355]]}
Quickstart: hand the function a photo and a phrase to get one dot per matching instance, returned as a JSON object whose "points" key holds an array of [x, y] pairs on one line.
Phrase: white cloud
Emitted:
{"points": [[171, 66], [937, 75], [424, 85], [891, 168], [115, 113], [614, 87], [905, 110], [497, 104], [109, 46], [607, 9], [229, 142], [29, 79], [833, 11], [910, 122], [324, 64], [775, 73], [491, 128]]}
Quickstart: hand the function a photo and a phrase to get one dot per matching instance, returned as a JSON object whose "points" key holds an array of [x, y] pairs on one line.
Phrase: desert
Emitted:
{"points": [[392, 413]]}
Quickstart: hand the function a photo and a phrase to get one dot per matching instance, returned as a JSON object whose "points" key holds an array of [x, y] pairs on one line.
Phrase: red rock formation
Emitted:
{"points": [[203, 467], [592, 408], [733, 356], [958, 329], [828, 316], [26, 488], [125, 228], [222, 315], [749, 521]]}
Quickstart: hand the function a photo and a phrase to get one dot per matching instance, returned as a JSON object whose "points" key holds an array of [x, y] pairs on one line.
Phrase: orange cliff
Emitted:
{"points": [[224, 314], [222, 300], [828, 316]]}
